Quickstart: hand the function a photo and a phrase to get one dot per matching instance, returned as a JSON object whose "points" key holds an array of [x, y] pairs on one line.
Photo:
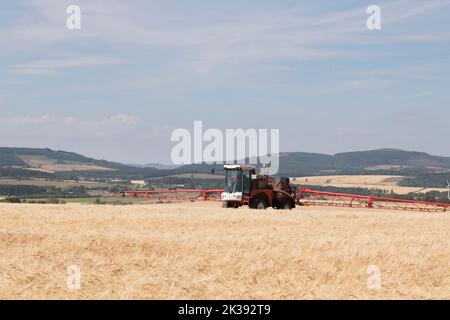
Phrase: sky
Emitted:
{"points": [[137, 70]]}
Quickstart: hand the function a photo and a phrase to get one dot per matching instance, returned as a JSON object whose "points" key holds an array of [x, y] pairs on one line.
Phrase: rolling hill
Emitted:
{"points": [[34, 162], [382, 161], [47, 163]]}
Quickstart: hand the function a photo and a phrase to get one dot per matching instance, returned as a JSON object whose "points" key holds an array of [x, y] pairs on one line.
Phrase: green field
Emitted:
{"points": [[56, 183], [93, 200]]}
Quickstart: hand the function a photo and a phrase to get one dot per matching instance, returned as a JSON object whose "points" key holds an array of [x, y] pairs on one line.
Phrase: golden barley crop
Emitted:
{"points": [[199, 250]]}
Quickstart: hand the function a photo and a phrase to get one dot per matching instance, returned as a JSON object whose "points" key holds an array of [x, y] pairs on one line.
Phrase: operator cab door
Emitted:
{"points": [[233, 182], [246, 181]]}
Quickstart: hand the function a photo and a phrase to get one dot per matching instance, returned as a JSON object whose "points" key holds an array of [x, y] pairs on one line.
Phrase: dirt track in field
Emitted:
{"points": [[199, 250]]}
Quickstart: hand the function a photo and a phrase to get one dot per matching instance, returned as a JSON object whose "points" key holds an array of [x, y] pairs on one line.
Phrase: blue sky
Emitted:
{"points": [[137, 70]]}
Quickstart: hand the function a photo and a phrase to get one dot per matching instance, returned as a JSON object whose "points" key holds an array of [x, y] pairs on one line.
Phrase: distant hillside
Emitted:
{"points": [[36, 162], [46, 163], [383, 161], [45, 158], [390, 157]]}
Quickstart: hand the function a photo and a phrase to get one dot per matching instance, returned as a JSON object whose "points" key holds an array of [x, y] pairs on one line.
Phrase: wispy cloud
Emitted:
{"points": [[109, 126], [208, 44], [205, 44], [426, 37], [312, 59], [403, 10], [54, 66]]}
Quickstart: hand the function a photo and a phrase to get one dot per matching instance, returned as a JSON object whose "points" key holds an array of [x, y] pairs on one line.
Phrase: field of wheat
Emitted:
{"points": [[199, 250]]}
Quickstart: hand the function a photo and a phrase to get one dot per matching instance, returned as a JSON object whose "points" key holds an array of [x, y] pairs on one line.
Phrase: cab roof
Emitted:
{"points": [[238, 166]]}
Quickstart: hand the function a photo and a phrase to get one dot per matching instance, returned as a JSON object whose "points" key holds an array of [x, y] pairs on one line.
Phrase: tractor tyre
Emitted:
{"points": [[258, 203], [287, 204]]}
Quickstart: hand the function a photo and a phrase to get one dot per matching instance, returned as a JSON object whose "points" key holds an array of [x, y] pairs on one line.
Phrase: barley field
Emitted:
{"points": [[45, 164], [201, 251]]}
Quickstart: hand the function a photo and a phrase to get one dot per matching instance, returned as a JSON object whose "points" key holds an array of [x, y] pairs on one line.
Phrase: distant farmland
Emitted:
{"points": [[51, 165], [383, 182], [48, 183]]}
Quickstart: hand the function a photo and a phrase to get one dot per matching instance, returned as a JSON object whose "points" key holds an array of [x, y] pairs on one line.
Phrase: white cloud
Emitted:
{"points": [[27, 120], [212, 40], [185, 50], [70, 120], [123, 119], [54, 66], [205, 42]]}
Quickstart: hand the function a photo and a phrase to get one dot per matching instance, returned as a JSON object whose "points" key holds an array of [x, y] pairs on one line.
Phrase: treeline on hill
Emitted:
{"points": [[67, 192], [429, 180], [8, 159], [40, 191], [20, 190]]}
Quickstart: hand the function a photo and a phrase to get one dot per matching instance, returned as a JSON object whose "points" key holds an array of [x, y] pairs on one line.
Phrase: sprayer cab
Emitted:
{"points": [[259, 191]]}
